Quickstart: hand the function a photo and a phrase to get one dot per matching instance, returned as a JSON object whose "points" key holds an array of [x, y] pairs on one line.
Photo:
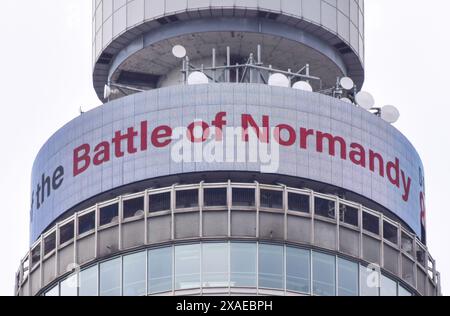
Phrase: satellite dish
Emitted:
{"points": [[365, 100], [346, 100], [302, 85], [197, 77], [108, 91], [279, 80], [390, 114], [347, 83], [179, 51]]}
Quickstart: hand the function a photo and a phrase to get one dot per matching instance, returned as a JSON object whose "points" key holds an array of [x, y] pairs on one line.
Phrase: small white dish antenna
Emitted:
{"points": [[347, 83], [302, 85], [346, 100], [279, 80], [365, 100], [179, 51], [390, 114], [108, 91], [197, 77]]}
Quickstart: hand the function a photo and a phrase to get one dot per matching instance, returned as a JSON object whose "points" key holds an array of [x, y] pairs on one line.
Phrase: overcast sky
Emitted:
{"points": [[46, 77]]}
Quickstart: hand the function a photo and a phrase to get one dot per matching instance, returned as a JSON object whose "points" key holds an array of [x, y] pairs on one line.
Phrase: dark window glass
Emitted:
{"points": [[407, 244], [325, 208], [187, 199], [371, 223], [86, 223], [109, 214], [66, 233], [133, 208], [49, 243], [36, 255], [159, 202], [298, 202], [271, 199], [348, 215], [390, 233], [215, 197], [244, 197]]}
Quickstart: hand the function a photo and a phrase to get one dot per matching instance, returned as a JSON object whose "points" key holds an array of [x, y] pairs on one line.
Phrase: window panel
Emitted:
{"points": [[369, 281], [324, 274], [390, 233], [109, 214], [133, 208], [243, 265], [325, 208], [187, 199], [371, 223], [66, 233], [215, 265], [215, 197], [159, 202], [187, 267], [86, 223], [271, 199], [160, 270], [134, 274], [271, 267], [348, 278], [244, 197], [69, 287], [298, 202], [49, 243], [349, 215], [53, 291], [388, 287], [88, 282], [110, 278], [298, 274]]}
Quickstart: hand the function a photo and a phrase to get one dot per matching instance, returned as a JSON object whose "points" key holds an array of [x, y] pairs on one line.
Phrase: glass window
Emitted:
{"points": [[159, 202], [134, 274], [407, 244], [244, 197], [110, 278], [66, 233], [133, 208], [271, 267], [215, 197], [49, 243], [215, 265], [325, 208], [88, 282], [298, 270], [36, 255], [371, 223], [271, 199], [324, 274], [348, 278], [390, 232], [160, 270], [349, 215], [388, 287], [370, 281], [187, 267], [187, 199], [298, 202], [109, 214], [86, 223], [54, 291], [69, 287], [403, 292], [243, 265]]}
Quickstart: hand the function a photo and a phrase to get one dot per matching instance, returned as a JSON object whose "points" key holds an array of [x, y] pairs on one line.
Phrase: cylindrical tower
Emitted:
{"points": [[233, 155]]}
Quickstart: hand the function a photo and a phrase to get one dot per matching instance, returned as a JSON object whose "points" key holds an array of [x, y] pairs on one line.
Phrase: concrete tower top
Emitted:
{"points": [[133, 39]]}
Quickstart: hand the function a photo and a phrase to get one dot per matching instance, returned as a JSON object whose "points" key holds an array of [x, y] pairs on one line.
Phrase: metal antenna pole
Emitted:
{"points": [[228, 63]]}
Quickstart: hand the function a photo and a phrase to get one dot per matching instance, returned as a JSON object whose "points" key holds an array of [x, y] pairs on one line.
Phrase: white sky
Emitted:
{"points": [[46, 76]]}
